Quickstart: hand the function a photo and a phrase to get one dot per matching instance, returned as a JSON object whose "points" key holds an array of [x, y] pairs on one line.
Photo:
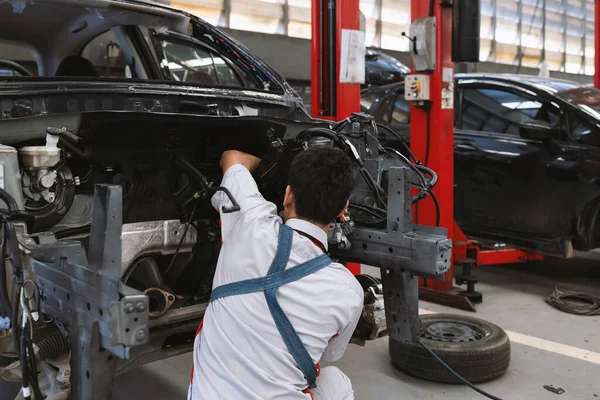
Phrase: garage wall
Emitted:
{"points": [[291, 57]]}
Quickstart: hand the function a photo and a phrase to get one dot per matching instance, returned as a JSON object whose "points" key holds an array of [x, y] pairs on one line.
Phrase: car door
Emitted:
{"points": [[506, 185], [583, 134], [375, 102]]}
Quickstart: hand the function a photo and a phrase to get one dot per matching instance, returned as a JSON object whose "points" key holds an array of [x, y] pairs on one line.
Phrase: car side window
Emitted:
{"points": [[584, 132], [401, 110], [106, 56], [503, 111], [190, 62], [372, 102]]}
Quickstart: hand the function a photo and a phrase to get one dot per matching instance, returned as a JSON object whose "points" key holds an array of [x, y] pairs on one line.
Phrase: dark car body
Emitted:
{"points": [[527, 158], [383, 69]]}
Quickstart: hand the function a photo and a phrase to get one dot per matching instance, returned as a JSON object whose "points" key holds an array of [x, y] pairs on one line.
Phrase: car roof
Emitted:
{"points": [[64, 23], [550, 85]]}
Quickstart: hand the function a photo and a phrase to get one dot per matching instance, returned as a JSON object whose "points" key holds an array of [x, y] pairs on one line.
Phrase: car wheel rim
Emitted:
{"points": [[453, 332]]}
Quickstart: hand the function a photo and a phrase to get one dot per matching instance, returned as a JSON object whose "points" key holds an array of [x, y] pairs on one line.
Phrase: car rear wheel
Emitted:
{"points": [[477, 350], [588, 227]]}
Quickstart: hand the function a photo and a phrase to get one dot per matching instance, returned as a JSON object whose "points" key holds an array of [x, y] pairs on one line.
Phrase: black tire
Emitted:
{"points": [[367, 280], [478, 358]]}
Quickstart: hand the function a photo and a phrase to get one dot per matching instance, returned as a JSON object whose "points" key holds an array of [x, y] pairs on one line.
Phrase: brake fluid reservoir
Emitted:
{"points": [[41, 156], [10, 176]]}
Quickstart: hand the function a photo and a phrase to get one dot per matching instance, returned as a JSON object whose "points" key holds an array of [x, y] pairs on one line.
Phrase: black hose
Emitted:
{"points": [[14, 323], [379, 215], [401, 140], [193, 171], [9, 200], [23, 360], [13, 247], [373, 186], [376, 212], [460, 378], [326, 133], [437, 208], [74, 150], [187, 226], [407, 162], [430, 172], [63, 133], [33, 373], [428, 137], [6, 310], [578, 303]]}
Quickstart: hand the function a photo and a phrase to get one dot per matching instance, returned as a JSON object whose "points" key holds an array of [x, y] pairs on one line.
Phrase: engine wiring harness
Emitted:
{"points": [[21, 315], [340, 136]]}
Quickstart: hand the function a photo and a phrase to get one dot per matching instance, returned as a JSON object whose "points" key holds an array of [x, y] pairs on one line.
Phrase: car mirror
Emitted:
{"points": [[537, 130]]}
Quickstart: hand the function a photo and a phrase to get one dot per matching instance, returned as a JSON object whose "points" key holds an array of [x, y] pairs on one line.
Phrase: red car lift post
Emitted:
{"points": [[597, 44], [331, 99], [432, 141]]}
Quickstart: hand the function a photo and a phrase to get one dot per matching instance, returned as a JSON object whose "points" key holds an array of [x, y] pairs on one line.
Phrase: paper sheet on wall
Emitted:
{"points": [[448, 96], [352, 57]]}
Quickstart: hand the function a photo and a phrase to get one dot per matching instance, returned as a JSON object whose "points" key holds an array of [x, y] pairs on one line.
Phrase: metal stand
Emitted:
{"points": [[401, 298], [468, 279], [106, 318]]}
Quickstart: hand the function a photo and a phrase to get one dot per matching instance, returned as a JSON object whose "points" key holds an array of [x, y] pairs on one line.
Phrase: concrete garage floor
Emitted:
{"points": [[548, 346]]}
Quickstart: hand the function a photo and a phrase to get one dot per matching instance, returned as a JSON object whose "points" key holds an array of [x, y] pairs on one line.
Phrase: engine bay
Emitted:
{"points": [[165, 170]]}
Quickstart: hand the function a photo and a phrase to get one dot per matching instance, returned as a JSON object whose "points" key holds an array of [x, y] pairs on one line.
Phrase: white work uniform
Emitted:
{"points": [[239, 354]]}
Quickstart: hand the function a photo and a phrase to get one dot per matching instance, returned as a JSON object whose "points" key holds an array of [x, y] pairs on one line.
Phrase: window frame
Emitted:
{"points": [[243, 77], [128, 48], [510, 88], [392, 107], [575, 113]]}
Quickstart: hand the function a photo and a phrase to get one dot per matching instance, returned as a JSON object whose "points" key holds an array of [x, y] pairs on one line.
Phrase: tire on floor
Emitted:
{"points": [[477, 350]]}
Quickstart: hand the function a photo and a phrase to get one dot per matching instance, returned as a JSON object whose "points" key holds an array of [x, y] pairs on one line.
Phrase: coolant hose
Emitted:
{"points": [[9, 200]]}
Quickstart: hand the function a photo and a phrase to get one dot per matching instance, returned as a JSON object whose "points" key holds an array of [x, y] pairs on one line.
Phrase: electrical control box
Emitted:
{"points": [[422, 46], [416, 87]]}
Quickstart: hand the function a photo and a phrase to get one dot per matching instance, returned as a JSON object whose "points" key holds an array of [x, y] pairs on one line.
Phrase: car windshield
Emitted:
{"points": [[586, 98]]}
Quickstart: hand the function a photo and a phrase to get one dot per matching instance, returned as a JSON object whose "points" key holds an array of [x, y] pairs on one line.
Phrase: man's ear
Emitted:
{"points": [[344, 209], [288, 198]]}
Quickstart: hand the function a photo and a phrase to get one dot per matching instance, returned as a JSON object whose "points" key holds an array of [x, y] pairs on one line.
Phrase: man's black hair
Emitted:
{"points": [[321, 179]]}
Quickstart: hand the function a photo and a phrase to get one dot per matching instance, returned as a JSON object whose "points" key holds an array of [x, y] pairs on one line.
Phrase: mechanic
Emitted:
{"points": [[265, 344]]}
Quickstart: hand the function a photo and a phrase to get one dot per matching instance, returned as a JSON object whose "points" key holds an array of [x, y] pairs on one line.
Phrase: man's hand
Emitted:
{"points": [[233, 157]]}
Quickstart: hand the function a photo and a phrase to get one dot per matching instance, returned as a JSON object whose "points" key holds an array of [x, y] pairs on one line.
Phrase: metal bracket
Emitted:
{"points": [[106, 318], [402, 251], [403, 246]]}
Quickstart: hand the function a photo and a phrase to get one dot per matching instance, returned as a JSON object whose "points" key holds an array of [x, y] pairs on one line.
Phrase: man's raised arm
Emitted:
{"points": [[237, 178]]}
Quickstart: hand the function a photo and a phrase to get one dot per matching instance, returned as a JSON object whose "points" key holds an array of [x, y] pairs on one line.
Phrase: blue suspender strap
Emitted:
{"points": [[284, 248], [276, 277]]}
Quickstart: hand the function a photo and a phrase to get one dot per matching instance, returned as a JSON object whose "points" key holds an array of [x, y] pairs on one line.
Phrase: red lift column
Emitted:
{"points": [[331, 99], [597, 43], [437, 151]]}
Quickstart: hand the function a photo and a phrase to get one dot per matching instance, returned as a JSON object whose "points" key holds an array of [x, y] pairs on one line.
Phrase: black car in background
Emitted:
{"points": [[382, 69], [527, 158]]}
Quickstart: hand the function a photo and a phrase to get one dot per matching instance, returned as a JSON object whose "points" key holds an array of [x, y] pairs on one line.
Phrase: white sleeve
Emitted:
{"points": [[239, 181], [337, 344]]}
